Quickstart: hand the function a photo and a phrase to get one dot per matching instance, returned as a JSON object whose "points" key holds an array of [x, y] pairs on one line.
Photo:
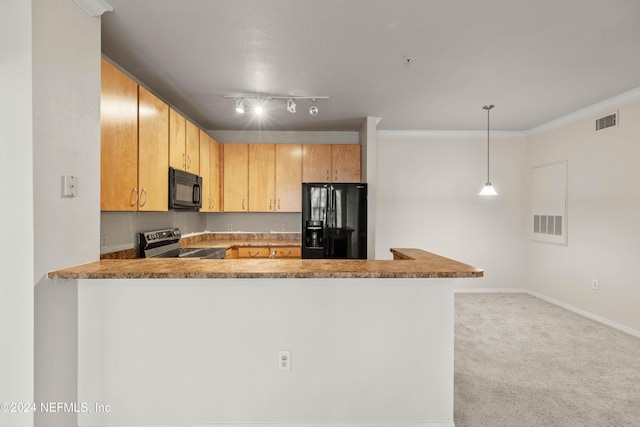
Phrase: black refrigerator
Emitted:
{"points": [[334, 220]]}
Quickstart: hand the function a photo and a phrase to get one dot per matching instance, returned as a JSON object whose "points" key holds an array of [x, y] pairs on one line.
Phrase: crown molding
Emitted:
{"points": [[450, 134], [94, 7], [600, 108]]}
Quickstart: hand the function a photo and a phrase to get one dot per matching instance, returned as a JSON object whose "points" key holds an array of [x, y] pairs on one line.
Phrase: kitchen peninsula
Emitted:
{"points": [[198, 341]]}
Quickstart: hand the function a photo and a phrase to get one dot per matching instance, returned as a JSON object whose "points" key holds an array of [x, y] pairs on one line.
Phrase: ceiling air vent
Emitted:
{"points": [[607, 121]]}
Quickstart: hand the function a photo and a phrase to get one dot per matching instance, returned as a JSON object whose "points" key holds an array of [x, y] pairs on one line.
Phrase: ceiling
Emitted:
{"points": [[535, 60]]}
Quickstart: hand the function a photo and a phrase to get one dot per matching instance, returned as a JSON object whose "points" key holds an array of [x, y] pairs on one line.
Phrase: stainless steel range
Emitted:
{"points": [[165, 244]]}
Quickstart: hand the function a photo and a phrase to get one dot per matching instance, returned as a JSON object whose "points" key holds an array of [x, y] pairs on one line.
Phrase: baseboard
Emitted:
{"points": [[490, 291], [303, 424], [587, 314]]}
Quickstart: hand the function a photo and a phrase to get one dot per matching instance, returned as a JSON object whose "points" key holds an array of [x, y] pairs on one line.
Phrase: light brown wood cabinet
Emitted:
{"points": [[346, 163], [331, 163], [153, 152], [265, 252], [288, 252], [316, 163], [215, 191], [288, 177], [210, 172], [253, 252], [192, 148], [184, 143], [134, 138], [262, 162], [236, 177], [118, 140]]}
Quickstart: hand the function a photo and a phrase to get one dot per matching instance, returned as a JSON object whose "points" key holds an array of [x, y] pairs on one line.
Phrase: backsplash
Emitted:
{"points": [[119, 230], [256, 222]]}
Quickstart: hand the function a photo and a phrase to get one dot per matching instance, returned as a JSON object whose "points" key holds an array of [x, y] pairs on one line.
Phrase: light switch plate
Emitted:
{"points": [[69, 186]]}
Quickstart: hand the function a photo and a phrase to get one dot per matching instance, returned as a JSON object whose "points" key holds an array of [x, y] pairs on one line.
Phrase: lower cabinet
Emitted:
{"points": [[264, 252], [288, 252]]}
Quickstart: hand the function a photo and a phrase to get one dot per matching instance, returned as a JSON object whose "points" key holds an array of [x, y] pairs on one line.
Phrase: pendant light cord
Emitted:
{"points": [[488, 108]]}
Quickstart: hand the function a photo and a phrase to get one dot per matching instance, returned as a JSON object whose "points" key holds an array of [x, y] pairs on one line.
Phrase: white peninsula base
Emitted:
{"points": [[187, 352]]}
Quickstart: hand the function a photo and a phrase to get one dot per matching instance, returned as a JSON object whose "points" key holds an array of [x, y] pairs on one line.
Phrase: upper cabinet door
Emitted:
{"points": [[262, 161], [316, 163], [177, 135], [236, 177], [118, 141], [214, 170], [153, 152], [288, 177], [192, 148], [345, 163], [205, 171]]}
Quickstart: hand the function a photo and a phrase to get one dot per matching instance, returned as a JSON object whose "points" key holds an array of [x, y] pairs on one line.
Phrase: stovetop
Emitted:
{"points": [[165, 244]]}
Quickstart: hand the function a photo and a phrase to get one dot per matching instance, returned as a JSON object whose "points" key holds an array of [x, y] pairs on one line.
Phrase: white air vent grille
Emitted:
{"points": [[547, 224], [607, 121]]}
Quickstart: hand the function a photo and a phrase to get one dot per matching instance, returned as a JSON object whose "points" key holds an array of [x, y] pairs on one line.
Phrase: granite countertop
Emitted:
{"points": [[408, 263]]}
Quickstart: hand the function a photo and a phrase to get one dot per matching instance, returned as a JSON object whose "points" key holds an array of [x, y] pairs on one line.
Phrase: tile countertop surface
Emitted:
{"points": [[408, 263]]}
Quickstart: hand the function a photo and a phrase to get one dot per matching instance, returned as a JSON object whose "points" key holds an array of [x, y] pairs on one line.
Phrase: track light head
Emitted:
{"points": [[240, 106], [313, 110], [291, 106], [258, 109]]}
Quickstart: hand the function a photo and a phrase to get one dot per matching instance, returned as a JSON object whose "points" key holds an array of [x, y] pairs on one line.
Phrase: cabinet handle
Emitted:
{"points": [[243, 203], [145, 197], [134, 190], [285, 253], [270, 204], [328, 175], [184, 161], [253, 255], [210, 203], [188, 161], [278, 204], [336, 176]]}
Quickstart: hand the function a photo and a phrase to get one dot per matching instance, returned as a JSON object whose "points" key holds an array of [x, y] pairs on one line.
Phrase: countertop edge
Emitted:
{"points": [[408, 263]]}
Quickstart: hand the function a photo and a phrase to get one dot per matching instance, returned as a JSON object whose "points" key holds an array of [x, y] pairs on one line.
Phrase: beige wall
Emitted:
{"points": [[66, 141], [16, 213], [428, 198], [603, 217]]}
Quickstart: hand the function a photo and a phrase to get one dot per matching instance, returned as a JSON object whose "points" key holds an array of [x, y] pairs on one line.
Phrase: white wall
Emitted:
{"points": [[428, 188], [603, 217], [16, 213], [366, 352], [66, 139]]}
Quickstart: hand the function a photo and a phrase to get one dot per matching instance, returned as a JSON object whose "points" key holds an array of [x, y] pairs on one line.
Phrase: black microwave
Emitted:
{"points": [[185, 190]]}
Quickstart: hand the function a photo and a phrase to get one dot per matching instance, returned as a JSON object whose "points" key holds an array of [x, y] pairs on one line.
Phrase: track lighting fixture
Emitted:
{"points": [[260, 100]]}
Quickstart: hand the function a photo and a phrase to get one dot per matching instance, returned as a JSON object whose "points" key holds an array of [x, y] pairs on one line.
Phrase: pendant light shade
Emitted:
{"points": [[488, 189]]}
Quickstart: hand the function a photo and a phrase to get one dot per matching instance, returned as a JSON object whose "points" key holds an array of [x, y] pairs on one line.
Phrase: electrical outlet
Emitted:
{"points": [[284, 360], [284, 227], [595, 285], [229, 227]]}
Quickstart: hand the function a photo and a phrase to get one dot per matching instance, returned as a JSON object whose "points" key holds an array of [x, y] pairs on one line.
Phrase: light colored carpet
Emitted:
{"points": [[521, 361]]}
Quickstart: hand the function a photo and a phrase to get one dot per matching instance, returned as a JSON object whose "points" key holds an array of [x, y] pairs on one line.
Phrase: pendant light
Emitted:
{"points": [[488, 189]]}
